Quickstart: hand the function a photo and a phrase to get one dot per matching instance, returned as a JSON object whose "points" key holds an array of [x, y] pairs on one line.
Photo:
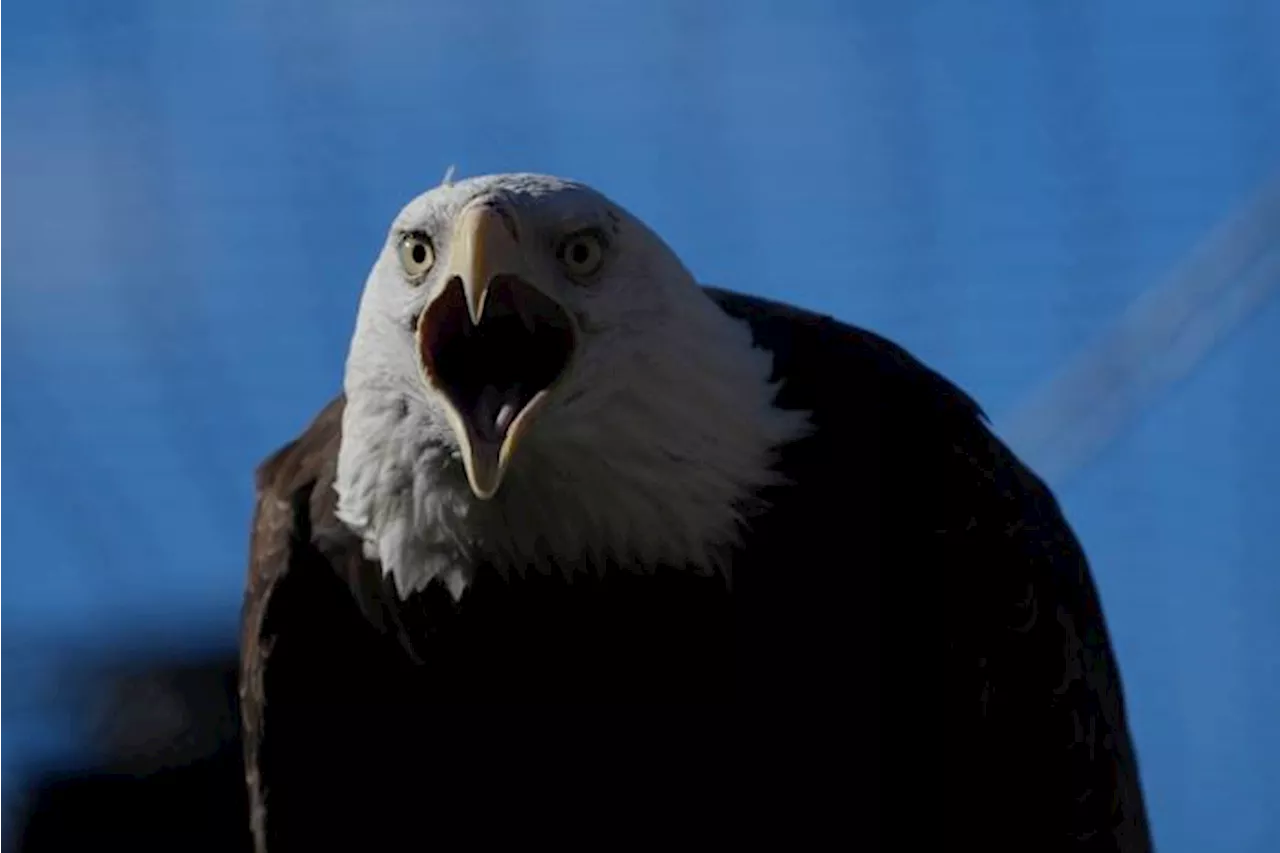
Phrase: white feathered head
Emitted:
{"points": [[535, 378]]}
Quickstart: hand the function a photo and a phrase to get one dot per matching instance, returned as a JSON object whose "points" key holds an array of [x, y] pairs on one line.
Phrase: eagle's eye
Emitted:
{"points": [[416, 256], [581, 253]]}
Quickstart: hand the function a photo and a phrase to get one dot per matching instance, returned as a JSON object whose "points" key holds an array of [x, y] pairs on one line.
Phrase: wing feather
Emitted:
{"points": [[280, 525]]}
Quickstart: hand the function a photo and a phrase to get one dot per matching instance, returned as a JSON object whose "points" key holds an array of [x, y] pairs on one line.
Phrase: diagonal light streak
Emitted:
{"points": [[1159, 339]]}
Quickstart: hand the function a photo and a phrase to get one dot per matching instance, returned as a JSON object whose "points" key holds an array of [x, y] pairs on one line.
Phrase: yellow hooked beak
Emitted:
{"points": [[491, 342]]}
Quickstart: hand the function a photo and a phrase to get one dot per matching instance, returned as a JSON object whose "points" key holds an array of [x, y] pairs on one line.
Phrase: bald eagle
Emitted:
{"points": [[585, 551]]}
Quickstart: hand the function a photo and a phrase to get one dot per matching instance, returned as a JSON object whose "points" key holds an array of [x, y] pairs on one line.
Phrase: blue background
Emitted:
{"points": [[195, 191]]}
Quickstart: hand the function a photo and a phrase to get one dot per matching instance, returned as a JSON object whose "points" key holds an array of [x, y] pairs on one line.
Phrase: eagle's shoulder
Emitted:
{"points": [[1033, 607], [812, 349], [306, 457], [283, 516], [285, 486]]}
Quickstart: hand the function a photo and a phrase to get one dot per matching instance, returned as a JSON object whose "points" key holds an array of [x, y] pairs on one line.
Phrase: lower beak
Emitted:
{"points": [[492, 343]]}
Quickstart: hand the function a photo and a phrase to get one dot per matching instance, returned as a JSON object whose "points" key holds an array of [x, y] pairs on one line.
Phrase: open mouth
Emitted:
{"points": [[492, 371]]}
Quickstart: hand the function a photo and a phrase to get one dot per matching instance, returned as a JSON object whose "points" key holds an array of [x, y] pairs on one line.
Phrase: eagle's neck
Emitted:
{"points": [[649, 457]]}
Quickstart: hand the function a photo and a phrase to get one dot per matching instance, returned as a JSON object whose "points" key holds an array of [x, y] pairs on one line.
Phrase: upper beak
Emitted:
{"points": [[485, 246], [491, 341]]}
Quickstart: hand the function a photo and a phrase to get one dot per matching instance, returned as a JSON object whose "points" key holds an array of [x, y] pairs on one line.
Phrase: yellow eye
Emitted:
{"points": [[416, 255], [581, 253]]}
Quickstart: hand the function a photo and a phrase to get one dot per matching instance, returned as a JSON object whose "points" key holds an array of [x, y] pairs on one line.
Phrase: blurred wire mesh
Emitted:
{"points": [[1071, 209]]}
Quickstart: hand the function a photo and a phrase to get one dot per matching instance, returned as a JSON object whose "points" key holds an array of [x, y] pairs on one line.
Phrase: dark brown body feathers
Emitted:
{"points": [[912, 656]]}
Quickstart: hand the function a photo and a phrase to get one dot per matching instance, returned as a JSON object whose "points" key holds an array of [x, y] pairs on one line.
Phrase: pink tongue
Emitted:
{"points": [[494, 412], [506, 415]]}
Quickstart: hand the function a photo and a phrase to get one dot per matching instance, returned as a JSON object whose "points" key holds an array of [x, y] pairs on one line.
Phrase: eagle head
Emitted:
{"points": [[536, 377]]}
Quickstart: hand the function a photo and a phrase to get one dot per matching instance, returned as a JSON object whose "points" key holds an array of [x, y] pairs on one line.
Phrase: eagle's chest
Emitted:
{"points": [[620, 634]]}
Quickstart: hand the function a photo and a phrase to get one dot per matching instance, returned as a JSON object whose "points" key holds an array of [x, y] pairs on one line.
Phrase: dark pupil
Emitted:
{"points": [[419, 253], [580, 253]]}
